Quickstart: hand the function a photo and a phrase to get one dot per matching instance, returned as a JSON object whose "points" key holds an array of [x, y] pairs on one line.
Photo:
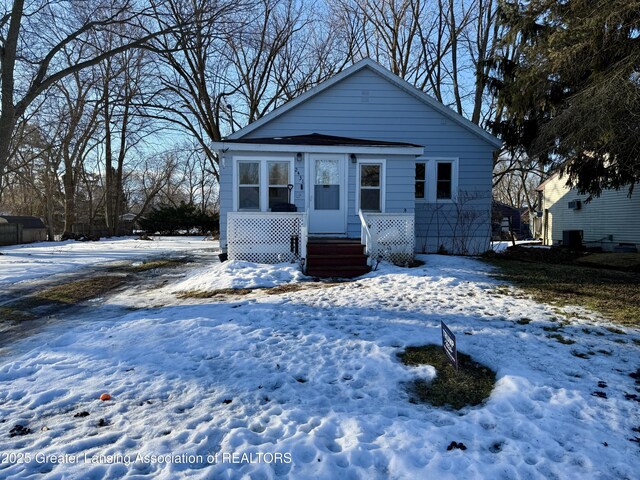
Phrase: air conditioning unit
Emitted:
{"points": [[572, 239], [575, 205]]}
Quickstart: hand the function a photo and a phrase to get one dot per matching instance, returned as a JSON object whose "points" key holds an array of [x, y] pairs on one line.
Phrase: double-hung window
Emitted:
{"points": [[421, 180], [262, 184], [371, 187], [436, 180], [444, 180], [248, 185]]}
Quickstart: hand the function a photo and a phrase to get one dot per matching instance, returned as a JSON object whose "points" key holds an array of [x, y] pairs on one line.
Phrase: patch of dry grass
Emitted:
{"points": [[14, 314], [469, 386], [80, 290], [278, 290], [613, 293], [622, 261], [153, 264]]}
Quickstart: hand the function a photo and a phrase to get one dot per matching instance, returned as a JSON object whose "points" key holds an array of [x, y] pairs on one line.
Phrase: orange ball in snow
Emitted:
{"points": [[105, 396]]}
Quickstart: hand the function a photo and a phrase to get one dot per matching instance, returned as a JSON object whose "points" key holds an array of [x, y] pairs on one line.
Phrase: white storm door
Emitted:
{"points": [[328, 209]]}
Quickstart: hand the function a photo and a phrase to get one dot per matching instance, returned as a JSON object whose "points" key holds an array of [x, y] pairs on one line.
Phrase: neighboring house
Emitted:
{"points": [[364, 156], [610, 221], [21, 229]]}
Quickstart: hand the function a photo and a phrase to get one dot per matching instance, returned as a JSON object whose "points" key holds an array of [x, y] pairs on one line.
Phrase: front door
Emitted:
{"points": [[328, 209]]}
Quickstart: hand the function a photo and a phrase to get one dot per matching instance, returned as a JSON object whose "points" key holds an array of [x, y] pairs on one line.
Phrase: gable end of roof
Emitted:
{"points": [[387, 75]]}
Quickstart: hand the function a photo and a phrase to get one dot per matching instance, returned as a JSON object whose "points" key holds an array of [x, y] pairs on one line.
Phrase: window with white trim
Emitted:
{"points": [[371, 187], [436, 180], [248, 185], [278, 183], [421, 180], [444, 180]]}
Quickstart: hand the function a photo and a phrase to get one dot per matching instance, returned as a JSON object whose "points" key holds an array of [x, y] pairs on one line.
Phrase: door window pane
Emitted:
{"points": [[249, 185], [370, 191], [327, 172], [327, 184], [444, 180]]}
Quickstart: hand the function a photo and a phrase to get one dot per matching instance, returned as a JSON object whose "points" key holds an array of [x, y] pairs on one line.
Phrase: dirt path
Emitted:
{"points": [[27, 308]]}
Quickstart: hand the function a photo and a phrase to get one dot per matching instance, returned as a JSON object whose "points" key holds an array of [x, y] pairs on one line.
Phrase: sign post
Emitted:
{"points": [[449, 345]]}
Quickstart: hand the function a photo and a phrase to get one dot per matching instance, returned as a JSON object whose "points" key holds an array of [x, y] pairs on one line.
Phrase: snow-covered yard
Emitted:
{"points": [[39, 260], [307, 384]]}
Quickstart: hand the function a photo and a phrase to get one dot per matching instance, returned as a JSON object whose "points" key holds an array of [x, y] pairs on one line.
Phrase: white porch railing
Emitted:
{"points": [[266, 237], [389, 235]]}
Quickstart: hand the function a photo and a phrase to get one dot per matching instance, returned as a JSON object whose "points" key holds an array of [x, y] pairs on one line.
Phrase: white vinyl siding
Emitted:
{"points": [[608, 220]]}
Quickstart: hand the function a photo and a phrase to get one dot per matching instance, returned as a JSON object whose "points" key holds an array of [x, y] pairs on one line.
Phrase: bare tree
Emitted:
{"points": [[29, 45], [192, 71]]}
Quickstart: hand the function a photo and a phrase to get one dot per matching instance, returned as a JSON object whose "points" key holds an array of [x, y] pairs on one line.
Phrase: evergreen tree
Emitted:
{"points": [[568, 85]]}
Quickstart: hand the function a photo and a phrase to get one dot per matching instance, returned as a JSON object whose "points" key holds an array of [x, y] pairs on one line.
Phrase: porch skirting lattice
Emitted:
{"points": [[266, 237], [390, 236]]}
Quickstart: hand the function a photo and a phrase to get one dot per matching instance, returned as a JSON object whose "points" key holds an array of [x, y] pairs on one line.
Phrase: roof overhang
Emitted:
{"points": [[271, 148]]}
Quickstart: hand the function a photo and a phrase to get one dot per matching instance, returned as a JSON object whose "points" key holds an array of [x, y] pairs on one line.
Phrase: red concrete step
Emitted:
{"points": [[336, 260], [335, 248], [337, 272]]}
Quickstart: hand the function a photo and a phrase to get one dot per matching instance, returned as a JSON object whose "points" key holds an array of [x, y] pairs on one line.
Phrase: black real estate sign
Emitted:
{"points": [[449, 345]]}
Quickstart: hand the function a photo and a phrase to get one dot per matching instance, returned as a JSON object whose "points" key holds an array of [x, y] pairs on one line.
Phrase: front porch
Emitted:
{"points": [[283, 237]]}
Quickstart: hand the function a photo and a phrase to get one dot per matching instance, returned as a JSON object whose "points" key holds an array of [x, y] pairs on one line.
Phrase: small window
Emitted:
{"points": [[249, 185], [370, 188], [421, 177], [444, 176], [278, 183]]}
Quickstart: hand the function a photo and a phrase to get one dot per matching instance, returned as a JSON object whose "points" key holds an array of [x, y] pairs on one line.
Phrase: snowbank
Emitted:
{"points": [[237, 274]]}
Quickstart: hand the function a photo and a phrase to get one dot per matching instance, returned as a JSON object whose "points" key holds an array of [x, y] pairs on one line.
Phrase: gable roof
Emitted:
{"points": [[389, 76]]}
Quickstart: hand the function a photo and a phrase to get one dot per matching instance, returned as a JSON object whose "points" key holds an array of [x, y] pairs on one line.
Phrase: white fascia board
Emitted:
{"points": [[262, 147]]}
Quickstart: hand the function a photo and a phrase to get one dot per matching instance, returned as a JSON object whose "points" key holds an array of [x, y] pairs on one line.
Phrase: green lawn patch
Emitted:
{"points": [[613, 293], [469, 386]]}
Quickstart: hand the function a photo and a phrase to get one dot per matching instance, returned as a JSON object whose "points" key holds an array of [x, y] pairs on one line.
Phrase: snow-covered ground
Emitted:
{"points": [[501, 246], [307, 384], [40, 260]]}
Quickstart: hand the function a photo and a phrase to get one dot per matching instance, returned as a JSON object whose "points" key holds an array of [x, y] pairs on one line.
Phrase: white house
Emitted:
{"points": [[611, 221]]}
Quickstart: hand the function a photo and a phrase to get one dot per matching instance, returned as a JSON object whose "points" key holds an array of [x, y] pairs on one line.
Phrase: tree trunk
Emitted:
{"points": [[7, 67], [69, 200]]}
